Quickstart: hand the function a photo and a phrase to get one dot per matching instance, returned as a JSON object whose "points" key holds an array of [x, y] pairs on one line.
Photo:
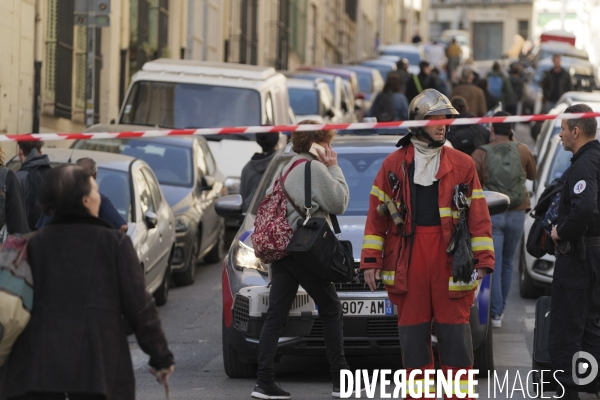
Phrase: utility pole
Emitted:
{"points": [[92, 14]]}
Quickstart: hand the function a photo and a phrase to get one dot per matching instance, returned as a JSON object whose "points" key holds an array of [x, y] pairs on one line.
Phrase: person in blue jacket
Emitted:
{"points": [[108, 211]]}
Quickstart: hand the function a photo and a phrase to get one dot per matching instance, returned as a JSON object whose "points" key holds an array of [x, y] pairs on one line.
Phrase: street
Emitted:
{"points": [[192, 322]]}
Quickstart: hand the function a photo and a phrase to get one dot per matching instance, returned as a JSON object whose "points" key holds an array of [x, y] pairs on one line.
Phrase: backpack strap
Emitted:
{"points": [[417, 83]]}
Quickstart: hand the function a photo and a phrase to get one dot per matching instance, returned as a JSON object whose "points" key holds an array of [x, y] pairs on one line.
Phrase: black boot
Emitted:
{"points": [[568, 393]]}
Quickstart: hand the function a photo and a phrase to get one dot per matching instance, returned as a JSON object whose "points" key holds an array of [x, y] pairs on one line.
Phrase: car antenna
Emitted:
{"points": [[71, 156]]}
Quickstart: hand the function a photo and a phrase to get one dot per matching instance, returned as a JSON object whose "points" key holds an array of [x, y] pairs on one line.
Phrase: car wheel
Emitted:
{"points": [[188, 275], [527, 289], [234, 368], [218, 251], [484, 355], [161, 296]]}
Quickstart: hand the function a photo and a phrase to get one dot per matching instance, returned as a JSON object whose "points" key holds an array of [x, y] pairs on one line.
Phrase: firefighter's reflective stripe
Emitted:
{"points": [[460, 286], [373, 242], [476, 194], [479, 243], [463, 387], [380, 194], [418, 385], [448, 212], [388, 277]]}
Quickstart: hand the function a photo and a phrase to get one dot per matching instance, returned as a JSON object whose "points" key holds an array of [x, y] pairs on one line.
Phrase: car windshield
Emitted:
{"points": [[412, 57], [304, 101], [560, 163], [359, 170], [186, 105], [115, 185], [172, 165], [365, 81]]}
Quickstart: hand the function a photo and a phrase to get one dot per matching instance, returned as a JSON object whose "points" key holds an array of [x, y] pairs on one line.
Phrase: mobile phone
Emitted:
{"points": [[314, 147]]}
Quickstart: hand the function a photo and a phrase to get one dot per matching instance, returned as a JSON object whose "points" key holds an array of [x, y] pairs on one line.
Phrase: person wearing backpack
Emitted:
{"points": [[499, 85], [502, 166], [34, 167], [330, 195], [466, 138], [391, 104]]}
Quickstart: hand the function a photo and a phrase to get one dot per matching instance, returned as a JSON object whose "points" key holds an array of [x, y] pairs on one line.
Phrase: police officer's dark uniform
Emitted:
{"points": [[575, 306]]}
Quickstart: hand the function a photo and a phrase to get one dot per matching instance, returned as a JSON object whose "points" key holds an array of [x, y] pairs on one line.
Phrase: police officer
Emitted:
{"points": [[410, 255], [575, 306]]}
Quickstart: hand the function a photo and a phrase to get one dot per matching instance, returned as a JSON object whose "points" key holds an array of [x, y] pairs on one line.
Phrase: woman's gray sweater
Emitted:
{"points": [[329, 191]]}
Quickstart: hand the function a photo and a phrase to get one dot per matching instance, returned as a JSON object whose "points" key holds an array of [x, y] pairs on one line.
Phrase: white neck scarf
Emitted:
{"points": [[427, 162]]}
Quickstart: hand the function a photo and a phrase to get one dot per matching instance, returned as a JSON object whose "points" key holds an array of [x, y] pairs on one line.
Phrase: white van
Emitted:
{"points": [[183, 94]]}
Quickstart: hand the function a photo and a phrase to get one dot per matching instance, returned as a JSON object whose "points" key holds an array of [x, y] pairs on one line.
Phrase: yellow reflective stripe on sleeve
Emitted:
{"points": [[430, 389], [476, 194], [380, 194], [482, 243], [463, 387], [460, 286], [445, 212], [373, 242], [388, 277]]}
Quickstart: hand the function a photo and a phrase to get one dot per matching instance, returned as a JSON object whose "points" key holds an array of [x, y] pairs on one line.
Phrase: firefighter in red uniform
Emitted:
{"points": [[410, 256]]}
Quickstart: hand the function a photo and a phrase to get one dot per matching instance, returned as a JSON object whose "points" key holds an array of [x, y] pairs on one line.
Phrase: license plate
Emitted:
{"points": [[367, 307]]}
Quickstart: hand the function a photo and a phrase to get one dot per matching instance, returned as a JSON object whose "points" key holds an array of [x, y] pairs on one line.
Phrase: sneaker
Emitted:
{"points": [[272, 391], [497, 321]]}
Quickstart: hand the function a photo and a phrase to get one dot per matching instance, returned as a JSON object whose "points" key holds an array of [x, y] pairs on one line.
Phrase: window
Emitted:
{"points": [[249, 32], [154, 188], [115, 185], [210, 161], [62, 52], [297, 24], [304, 101], [81, 37], [149, 23], [352, 9], [145, 195], [524, 29]]}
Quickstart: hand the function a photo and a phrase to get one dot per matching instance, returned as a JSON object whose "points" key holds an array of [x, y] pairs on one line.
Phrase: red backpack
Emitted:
{"points": [[272, 231]]}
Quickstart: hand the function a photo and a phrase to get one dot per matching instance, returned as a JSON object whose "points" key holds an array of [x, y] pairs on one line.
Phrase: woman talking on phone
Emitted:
{"points": [[330, 195]]}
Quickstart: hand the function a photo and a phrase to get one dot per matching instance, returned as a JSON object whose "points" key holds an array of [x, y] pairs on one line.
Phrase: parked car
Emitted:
{"points": [[191, 182], [312, 100], [133, 189], [413, 53], [536, 274], [350, 82], [383, 66], [549, 49], [341, 100], [370, 320], [582, 79], [551, 128], [169, 93], [370, 82]]}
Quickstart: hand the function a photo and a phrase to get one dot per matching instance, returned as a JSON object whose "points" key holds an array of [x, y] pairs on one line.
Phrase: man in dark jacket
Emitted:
{"points": [[575, 316], [34, 166], [417, 83], [466, 138], [554, 83], [254, 170]]}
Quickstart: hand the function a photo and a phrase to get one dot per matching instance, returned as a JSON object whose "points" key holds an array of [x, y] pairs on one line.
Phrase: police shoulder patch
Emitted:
{"points": [[579, 187]]}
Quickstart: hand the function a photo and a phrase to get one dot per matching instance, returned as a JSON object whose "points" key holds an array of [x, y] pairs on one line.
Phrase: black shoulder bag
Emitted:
{"points": [[317, 247]]}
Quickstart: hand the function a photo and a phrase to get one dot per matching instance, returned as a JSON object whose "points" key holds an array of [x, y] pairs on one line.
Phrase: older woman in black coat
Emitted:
{"points": [[88, 285]]}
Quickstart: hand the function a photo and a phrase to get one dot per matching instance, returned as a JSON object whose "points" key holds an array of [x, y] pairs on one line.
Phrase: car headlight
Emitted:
{"points": [[232, 185], [244, 257], [181, 223]]}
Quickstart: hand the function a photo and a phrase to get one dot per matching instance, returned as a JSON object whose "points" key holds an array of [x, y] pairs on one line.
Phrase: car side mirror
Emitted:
{"points": [[151, 219], [497, 202], [330, 113], [230, 207], [207, 182]]}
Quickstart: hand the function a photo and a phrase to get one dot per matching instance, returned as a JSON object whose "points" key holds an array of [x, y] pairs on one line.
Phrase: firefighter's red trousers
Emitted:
{"points": [[427, 299]]}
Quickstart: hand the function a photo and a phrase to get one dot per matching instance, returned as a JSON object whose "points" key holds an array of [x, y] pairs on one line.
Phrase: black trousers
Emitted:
{"points": [[574, 311], [287, 274], [60, 396]]}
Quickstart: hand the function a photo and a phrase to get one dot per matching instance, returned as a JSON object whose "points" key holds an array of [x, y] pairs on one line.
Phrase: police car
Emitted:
{"points": [[370, 319]]}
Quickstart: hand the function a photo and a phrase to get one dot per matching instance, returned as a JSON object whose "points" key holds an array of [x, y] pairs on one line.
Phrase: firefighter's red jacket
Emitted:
{"points": [[383, 246]]}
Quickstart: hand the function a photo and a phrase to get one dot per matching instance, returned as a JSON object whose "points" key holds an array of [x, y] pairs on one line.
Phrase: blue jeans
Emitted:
{"points": [[507, 229]]}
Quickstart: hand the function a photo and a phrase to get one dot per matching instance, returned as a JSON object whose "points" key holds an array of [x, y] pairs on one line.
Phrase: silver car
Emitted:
{"points": [[134, 190]]}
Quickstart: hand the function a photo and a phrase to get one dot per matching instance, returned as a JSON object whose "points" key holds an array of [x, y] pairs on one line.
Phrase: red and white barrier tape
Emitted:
{"points": [[289, 128]]}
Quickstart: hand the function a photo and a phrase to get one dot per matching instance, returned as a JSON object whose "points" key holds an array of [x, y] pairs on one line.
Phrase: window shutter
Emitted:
{"points": [[64, 58]]}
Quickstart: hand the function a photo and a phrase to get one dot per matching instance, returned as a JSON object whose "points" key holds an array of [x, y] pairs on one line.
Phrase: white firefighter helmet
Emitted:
{"points": [[429, 102]]}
